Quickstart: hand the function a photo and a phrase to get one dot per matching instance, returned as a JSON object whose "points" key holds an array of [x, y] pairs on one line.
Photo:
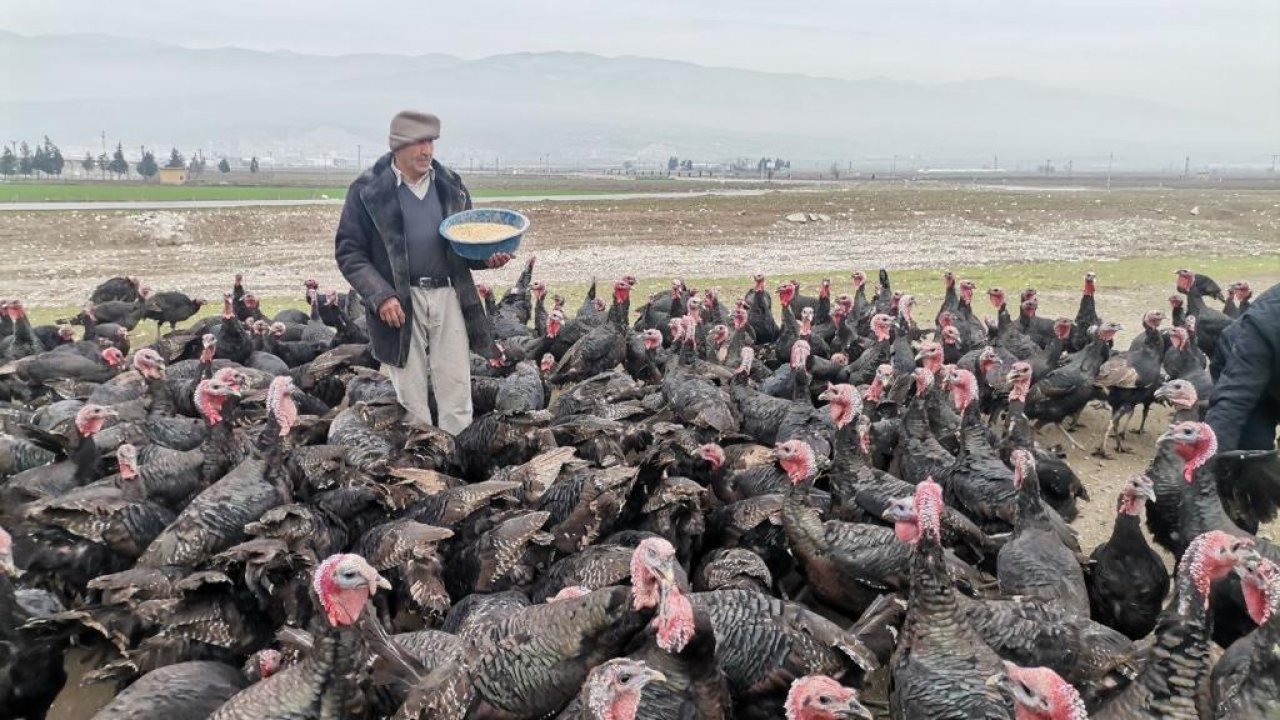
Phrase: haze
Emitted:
{"points": [[1218, 61]]}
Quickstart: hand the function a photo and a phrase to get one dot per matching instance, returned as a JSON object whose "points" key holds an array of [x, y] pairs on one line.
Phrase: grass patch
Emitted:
{"points": [[1153, 276], [135, 192]]}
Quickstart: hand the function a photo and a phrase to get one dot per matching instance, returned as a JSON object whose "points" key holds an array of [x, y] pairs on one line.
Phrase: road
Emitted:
{"points": [[216, 204]]}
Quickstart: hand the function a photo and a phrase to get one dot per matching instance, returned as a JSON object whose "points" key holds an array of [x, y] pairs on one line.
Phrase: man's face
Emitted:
{"points": [[416, 158]]}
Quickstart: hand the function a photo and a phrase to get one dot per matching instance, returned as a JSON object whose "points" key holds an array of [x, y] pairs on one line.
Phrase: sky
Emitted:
{"points": [[1195, 54]]}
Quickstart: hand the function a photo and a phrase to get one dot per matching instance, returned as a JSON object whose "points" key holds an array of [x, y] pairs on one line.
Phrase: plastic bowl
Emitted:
{"points": [[483, 251]]}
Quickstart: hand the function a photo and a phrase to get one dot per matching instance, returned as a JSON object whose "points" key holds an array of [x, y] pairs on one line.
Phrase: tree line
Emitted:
{"points": [[47, 160]]}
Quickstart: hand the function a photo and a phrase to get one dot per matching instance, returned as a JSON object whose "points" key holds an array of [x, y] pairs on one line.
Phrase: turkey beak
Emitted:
{"points": [[997, 680], [654, 676], [1148, 492], [854, 709], [377, 581], [667, 575], [1162, 393], [1168, 435]]}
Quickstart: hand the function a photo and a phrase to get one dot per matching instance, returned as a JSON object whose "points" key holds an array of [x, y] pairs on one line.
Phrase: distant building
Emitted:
{"points": [[173, 176]]}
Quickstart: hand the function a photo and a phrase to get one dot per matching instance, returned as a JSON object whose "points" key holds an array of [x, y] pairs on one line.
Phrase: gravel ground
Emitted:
{"points": [[57, 258]]}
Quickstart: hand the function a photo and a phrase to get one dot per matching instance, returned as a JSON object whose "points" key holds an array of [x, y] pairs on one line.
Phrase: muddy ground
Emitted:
{"points": [[55, 259]]}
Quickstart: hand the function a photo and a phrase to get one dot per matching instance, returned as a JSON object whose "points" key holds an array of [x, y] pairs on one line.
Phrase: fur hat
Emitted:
{"points": [[411, 126]]}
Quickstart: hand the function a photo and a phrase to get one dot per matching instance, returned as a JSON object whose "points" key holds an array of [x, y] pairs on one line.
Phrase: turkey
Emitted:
{"points": [[1127, 580], [324, 683], [171, 307], [1246, 680], [600, 349], [818, 697], [1034, 562], [31, 673], [1041, 694], [1132, 378], [120, 289], [940, 667], [1209, 322], [612, 691]]}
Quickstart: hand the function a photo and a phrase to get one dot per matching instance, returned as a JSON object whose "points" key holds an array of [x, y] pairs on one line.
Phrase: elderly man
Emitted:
{"points": [[422, 305]]}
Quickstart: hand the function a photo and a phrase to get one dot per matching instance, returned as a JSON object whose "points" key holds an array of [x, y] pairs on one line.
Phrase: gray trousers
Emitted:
{"points": [[440, 358]]}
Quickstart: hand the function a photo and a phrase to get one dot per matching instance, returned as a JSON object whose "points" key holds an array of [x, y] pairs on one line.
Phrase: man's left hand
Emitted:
{"points": [[497, 260]]}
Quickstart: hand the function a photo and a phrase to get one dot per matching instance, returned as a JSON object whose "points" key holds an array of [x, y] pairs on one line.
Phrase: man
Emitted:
{"points": [[1245, 406], [421, 303]]}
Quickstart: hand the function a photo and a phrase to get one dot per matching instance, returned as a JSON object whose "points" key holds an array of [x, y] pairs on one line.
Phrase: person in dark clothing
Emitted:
{"points": [[421, 303], [1245, 406]]}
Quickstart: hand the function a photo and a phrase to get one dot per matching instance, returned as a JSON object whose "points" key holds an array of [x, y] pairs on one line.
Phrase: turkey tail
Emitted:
{"points": [[1249, 483]]}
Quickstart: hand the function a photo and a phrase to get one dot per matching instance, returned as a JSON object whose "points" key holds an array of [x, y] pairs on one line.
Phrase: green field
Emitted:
{"points": [[133, 192]]}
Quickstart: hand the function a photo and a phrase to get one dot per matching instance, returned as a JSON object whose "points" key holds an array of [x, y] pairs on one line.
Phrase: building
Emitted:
{"points": [[173, 176]]}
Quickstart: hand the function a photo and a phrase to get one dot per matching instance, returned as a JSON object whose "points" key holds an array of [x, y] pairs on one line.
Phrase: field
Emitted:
{"points": [[1134, 238], [296, 186]]}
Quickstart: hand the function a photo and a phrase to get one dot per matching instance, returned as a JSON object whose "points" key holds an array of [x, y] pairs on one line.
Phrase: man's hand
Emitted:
{"points": [[497, 260], [391, 313]]}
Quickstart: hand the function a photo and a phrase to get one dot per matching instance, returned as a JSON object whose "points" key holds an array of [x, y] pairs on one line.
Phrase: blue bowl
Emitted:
{"points": [[483, 251]]}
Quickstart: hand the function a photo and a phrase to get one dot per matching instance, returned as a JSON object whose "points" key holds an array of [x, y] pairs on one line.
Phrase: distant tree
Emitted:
{"points": [[104, 162], [39, 161], [118, 166], [25, 162], [53, 161], [224, 167], [835, 171], [175, 159], [87, 163], [8, 162], [253, 164], [196, 166], [673, 162], [147, 167]]}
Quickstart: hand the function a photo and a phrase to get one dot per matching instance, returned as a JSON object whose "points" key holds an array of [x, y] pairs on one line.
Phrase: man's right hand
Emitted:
{"points": [[391, 313]]}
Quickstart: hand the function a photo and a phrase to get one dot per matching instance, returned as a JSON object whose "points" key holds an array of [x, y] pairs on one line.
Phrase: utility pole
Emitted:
{"points": [[1273, 163], [1110, 158], [995, 162], [1186, 166], [893, 169]]}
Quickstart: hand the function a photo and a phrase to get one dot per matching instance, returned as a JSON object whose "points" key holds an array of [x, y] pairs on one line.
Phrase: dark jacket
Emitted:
{"points": [[371, 253], [1245, 406]]}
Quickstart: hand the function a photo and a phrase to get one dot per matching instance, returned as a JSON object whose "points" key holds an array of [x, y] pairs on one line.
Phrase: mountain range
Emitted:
{"points": [[577, 108]]}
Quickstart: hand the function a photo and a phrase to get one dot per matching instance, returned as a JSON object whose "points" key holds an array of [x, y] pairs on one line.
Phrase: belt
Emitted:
{"points": [[428, 283]]}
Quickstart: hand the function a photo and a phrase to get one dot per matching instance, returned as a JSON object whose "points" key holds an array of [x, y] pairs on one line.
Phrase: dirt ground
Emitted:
{"points": [[56, 258]]}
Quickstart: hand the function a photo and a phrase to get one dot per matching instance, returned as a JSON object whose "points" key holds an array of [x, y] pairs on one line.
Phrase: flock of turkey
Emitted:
{"points": [[696, 509]]}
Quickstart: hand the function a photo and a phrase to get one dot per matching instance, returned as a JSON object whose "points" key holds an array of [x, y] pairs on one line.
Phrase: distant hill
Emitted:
{"points": [[575, 107]]}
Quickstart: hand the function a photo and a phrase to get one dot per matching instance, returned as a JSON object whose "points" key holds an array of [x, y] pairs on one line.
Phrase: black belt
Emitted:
{"points": [[428, 283]]}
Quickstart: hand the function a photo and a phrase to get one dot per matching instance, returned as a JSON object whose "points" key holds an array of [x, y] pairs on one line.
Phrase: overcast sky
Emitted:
{"points": [[1193, 53]]}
